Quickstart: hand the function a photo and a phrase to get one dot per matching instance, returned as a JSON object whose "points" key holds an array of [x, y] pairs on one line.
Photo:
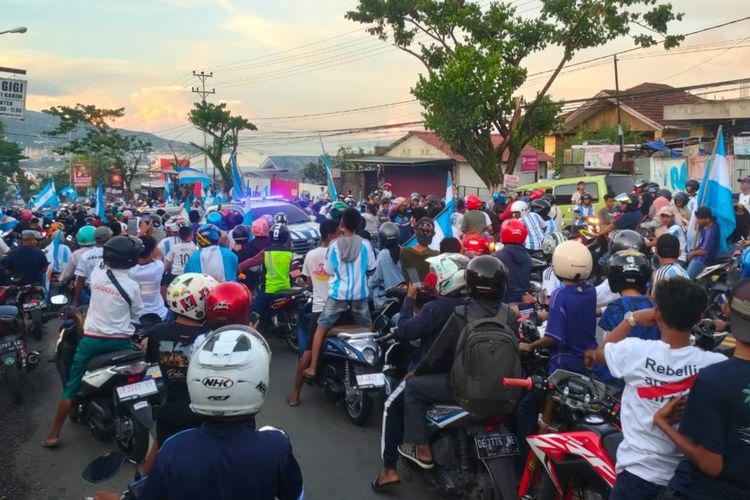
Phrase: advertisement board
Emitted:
{"points": [[599, 157], [742, 145], [115, 177], [81, 173], [529, 163], [511, 181], [12, 98]]}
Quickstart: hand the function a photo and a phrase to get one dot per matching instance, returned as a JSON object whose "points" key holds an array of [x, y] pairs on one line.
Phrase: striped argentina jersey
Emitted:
{"points": [[535, 225], [348, 280], [668, 271]]}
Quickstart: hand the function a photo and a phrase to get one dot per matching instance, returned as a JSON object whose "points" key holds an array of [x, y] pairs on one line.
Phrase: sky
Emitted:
{"points": [[276, 59]]}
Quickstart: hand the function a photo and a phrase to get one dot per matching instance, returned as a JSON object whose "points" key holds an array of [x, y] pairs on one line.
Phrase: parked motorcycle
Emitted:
{"points": [[117, 391], [14, 354], [578, 438]]}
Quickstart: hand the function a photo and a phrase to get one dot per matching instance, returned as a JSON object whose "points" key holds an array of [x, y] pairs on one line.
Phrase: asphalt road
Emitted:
{"points": [[338, 459]]}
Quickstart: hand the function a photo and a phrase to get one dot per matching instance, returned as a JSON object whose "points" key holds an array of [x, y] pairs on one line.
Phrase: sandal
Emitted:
{"points": [[409, 451], [292, 403], [381, 487], [51, 443]]}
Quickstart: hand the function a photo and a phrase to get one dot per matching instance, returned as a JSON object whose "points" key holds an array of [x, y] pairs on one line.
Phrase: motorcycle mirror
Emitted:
{"points": [[103, 467], [59, 300], [535, 287]]}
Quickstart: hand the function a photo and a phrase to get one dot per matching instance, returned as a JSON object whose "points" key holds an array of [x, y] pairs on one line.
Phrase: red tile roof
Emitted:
{"points": [[652, 106], [435, 141]]}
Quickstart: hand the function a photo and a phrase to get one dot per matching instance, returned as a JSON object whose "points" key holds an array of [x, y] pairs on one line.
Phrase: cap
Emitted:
{"points": [[739, 311], [744, 179], [666, 211], [31, 235]]}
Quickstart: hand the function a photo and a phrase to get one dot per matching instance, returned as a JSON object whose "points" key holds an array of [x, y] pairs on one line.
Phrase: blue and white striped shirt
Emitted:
{"points": [[536, 226], [668, 271]]}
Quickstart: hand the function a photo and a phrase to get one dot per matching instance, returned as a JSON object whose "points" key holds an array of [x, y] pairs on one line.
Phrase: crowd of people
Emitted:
{"points": [[194, 274]]}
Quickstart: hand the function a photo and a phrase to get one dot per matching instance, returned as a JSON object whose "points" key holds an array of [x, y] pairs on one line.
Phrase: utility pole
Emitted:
{"points": [[620, 137], [203, 93]]}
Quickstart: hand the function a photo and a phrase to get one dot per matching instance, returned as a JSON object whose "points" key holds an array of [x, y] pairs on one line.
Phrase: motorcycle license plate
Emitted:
{"points": [[11, 346], [137, 390], [153, 372], [33, 305], [496, 445], [370, 380]]}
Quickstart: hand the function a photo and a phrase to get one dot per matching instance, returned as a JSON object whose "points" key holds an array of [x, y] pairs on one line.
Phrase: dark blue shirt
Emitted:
{"points": [[225, 461], [629, 220], [717, 417], [572, 322], [708, 240], [518, 261], [27, 262]]}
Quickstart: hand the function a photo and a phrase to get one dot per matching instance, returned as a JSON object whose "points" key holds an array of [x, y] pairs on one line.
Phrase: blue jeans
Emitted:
{"points": [[334, 308], [631, 487], [694, 268]]}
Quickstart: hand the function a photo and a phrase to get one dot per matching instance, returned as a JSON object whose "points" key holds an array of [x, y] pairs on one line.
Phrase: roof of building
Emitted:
{"points": [[645, 102], [289, 167], [435, 141]]}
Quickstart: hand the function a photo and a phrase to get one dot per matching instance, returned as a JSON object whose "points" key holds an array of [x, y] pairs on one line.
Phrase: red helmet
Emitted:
{"points": [[228, 304], [26, 215], [513, 231], [473, 202], [536, 194]]}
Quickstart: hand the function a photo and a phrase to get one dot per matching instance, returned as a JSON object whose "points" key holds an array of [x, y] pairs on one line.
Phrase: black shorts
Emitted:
{"points": [[167, 279]]}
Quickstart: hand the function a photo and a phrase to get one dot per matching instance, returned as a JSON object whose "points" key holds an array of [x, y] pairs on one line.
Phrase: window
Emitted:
{"points": [[618, 184], [563, 192]]}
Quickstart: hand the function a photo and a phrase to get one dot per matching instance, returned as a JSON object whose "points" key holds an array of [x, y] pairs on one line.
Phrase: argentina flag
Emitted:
{"points": [[443, 226], [70, 193], [47, 197], [100, 209]]}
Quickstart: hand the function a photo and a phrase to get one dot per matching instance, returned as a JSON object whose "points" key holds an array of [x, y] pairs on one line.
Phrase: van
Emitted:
{"points": [[597, 185]]}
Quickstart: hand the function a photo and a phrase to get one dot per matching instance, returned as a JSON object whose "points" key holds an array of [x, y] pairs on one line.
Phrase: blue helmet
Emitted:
{"points": [[214, 218], [208, 234]]}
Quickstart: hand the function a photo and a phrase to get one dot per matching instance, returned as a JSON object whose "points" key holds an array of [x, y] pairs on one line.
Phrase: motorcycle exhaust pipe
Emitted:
{"points": [[33, 359]]}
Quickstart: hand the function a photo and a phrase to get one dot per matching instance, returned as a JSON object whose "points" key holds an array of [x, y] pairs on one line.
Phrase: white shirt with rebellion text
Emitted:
{"points": [[315, 267], [109, 315], [88, 262], [179, 255], [653, 373]]}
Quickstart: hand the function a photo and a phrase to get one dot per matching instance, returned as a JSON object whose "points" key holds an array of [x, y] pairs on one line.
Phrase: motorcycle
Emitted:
{"points": [[14, 354], [118, 390], [719, 278], [31, 299], [578, 438], [282, 315]]}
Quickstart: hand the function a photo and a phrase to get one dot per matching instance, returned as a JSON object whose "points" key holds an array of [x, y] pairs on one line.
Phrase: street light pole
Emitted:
{"points": [[19, 29]]}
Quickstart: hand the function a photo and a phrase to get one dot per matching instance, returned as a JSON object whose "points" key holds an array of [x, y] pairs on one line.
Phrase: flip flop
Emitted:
{"points": [[51, 443], [409, 451], [309, 376], [379, 488], [290, 403]]}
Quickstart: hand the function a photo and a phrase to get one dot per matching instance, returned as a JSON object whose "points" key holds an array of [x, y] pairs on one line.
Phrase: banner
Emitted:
{"points": [[511, 181], [529, 163], [115, 178], [81, 175], [12, 98], [742, 145], [281, 187]]}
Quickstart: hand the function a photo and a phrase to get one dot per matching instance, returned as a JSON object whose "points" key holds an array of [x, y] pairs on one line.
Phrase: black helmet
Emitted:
{"points": [[640, 183], [549, 198], [586, 196], [122, 252], [629, 269], [240, 234], [681, 199], [486, 277], [388, 234], [541, 207], [156, 220], [693, 185], [652, 188], [279, 233], [280, 218], [665, 193], [625, 239]]}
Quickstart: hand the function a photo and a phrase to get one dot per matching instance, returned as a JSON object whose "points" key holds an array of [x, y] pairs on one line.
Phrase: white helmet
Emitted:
{"points": [[572, 261], [186, 295], [451, 271], [174, 224], [521, 207], [228, 374]]}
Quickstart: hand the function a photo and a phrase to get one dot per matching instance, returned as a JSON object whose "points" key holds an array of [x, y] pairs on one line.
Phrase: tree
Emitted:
{"points": [[224, 128], [474, 60], [316, 172], [11, 173], [101, 145]]}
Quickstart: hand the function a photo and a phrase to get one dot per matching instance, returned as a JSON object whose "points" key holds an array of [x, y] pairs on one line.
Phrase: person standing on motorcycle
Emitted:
{"points": [[314, 271], [171, 345], [654, 371], [388, 273], [27, 262], [413, 260], [424, 325], [212, 259], [713, 427], [115, 306], [517, 260], [486, 278], [89, 261], [707, 247], [350, 261]]}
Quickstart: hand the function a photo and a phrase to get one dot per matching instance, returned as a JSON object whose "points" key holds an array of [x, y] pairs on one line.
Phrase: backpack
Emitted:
{"points": [[487, 351]]}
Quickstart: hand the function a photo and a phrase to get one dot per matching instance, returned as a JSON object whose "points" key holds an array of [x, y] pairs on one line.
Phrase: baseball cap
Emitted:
{"points": [[739, 310], [31, 235], [666, 211], [744, 179]]}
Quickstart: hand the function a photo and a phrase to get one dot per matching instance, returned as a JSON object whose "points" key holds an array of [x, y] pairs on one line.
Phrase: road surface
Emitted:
{"points": [[338, 459]]}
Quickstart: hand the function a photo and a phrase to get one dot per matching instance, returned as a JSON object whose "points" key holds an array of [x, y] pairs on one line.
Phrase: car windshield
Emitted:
{"points": [[618, 184], [293, 214]]}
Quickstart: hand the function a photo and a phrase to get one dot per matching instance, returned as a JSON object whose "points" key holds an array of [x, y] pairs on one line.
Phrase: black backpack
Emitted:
{"points": [[487, 351]]}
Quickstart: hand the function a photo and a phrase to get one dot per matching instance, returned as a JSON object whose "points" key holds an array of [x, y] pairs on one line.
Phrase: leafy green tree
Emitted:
{"points": [[316, 172], [474, 59], [224, 130], [11, 173]]}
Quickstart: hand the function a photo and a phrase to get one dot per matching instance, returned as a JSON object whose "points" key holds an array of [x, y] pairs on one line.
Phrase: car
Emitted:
{"points": [[597, 185], [304, 232]]}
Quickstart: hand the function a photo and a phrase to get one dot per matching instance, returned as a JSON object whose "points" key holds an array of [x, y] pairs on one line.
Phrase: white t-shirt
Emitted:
{"points": [[148, 277], [166, 245], [70, 267], [550, 282], [745, 200], [604, 294], [88, 262], [179, 255], [647, 366], [314, 266], [109, 313]]}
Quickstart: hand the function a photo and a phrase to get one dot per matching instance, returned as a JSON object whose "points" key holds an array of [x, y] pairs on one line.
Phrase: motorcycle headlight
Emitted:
{"points": [[370, 355]]}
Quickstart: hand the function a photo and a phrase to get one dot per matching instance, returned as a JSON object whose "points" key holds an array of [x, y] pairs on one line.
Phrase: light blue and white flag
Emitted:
{"points": [[8, 223], [100, 208], [443, 226], [168, 189], [266, 191], [716, 193], [327, 163], [47, 197], [70, 193], [18, 193], [238, 190]]}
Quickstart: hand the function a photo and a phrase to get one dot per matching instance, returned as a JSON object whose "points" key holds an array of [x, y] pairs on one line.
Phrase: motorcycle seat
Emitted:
{"points": [[9, 311], [287, 293], [611, 442], [115, 357], [350, 329]]}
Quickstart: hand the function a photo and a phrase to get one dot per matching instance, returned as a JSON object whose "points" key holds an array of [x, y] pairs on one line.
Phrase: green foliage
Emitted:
{"points": [[316, 172], [11, 173], [224, 129], [474, 60]]}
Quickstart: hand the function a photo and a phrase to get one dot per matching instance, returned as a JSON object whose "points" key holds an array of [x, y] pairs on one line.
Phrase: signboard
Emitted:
{"points": [[599, 157], [81, 174], [285, 188], [12, 98], [115, 178], [169, 163], [511, 181], [742, 145], [529, 163]]}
